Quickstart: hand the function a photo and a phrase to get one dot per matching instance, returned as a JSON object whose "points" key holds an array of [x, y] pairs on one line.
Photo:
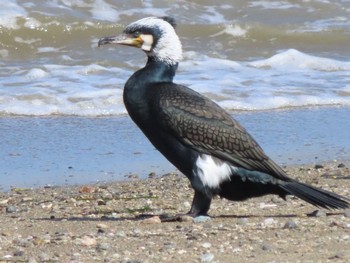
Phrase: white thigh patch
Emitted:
{"points": [[212, 171]]}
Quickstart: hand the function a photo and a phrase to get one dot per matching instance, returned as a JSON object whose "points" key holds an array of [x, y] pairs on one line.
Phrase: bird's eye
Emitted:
{"points": [[137, 33]]}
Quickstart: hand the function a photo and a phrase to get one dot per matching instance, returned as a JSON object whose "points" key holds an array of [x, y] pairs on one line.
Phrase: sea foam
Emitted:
{"points": [[288, 79]]}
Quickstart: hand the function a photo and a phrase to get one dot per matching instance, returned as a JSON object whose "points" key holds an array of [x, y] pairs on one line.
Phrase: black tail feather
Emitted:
{"points": [[316, 196]]}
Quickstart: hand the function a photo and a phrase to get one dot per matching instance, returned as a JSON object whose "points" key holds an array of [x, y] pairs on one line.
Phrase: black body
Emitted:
{"points": [[182, 124]]}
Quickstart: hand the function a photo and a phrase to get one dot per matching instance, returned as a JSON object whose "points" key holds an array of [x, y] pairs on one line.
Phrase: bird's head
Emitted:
{"points": [[154, 35]]}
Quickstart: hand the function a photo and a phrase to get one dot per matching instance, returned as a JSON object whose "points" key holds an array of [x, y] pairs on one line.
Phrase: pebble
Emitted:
{"points": [[201, 219], [27, 199], [152, 220], [11, 209], [341, 165], [318, 213], [269, 221], [44, 257], [347, 213], [206, 245], [103, 246], [101, 226], [290, 225], [87, 241], [266, 247], [318, 166], [101, 202], [152, 175], [87, 189], [4, 202], [207, 257], [186, 218], [242, 221], [120, 233], [187, 204], [18, 253]]}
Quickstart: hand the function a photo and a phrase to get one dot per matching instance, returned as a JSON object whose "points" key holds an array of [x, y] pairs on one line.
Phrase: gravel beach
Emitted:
{"points": [[135, 221]]}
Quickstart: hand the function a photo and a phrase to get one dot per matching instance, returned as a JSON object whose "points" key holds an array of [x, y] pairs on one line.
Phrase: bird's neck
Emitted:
{"points": [[159, 71], [136, 88]]}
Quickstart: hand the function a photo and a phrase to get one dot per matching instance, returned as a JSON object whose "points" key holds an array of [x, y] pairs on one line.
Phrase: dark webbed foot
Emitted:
{"points": [[200, 204], [199, 209]]}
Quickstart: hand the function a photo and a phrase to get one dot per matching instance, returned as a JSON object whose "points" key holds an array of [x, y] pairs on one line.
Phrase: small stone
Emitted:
{"points": [[242, 221], [27, 199], [101, 226], [32, 260], [152, 175], [11, 209], [5, 233], [186, 218], [120, 233], [266, 247], [7, 257], [341, 165], [290, 225], [44, 257], [103, 246], [338, 255], [88, 241], [318, 166], [318, 213], [201, 219], [347, 213], [169, 245], [269, 221], [100, 231], [207, 257], [4, 202], [18, 253], [187, 204], [152, 220], [101, 202], [87, 189], [206, 245]]}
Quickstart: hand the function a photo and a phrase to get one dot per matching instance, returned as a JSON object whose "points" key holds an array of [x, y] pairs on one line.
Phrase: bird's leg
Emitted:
{"points": [[200, 204]]}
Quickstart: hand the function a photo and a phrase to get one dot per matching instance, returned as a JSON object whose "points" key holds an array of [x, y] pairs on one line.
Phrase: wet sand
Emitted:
{"points": [[133, 221]]}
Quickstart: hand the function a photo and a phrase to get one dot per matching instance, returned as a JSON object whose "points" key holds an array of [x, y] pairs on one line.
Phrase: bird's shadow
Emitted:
{"points": [[176, 218]]}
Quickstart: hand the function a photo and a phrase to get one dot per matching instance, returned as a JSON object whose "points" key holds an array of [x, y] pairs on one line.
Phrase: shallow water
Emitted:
{"points": [[77, 150], [272, 61]]}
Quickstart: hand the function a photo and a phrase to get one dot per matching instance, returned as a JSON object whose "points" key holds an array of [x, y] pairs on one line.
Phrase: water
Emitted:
{"points": [[253, 56]]}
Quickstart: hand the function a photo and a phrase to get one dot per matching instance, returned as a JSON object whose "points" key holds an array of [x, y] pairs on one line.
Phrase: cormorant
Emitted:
{"points": [[203, 141]]}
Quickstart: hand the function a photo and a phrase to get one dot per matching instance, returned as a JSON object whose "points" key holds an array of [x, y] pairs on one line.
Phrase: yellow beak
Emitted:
{"points": [[123, 39]]}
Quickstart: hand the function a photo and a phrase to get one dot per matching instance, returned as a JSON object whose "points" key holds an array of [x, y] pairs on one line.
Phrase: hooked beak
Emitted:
{"points": [[123, 39]]}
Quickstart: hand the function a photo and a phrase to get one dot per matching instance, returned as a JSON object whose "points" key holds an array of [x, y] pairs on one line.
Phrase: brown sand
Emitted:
{"points": [[120, 222]]}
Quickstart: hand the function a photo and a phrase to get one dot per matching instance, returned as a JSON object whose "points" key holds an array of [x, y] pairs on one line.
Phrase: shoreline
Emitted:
{"points": [[122, 222], [39, 151]]}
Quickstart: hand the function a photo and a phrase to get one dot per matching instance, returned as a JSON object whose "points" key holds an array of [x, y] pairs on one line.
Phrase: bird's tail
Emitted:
{"points": [[315, 196]]}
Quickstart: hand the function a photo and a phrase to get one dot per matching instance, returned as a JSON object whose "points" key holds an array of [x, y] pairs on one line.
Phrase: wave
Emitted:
{"points": [[288, 79]]}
